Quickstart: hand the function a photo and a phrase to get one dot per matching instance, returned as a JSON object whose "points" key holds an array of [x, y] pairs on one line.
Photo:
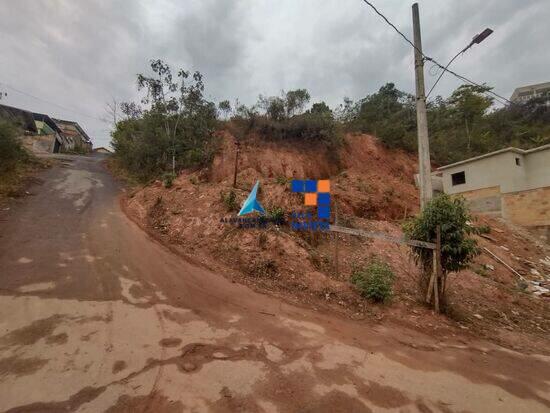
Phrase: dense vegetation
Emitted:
{"points": [[461, 126], [173, 130], [16, 163], [173, 126], [11, 151], [285, 118]]}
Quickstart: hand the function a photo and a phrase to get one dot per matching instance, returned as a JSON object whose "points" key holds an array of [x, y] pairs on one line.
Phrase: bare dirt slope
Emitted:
{"points": [[374, 189]]}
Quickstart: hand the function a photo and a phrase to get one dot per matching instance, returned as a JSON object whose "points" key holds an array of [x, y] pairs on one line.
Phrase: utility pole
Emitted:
{"points": [[237, 151], [424, 167]]}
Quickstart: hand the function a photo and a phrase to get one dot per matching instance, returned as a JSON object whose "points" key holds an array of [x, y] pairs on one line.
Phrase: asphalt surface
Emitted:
{"points": [[96, 316]]}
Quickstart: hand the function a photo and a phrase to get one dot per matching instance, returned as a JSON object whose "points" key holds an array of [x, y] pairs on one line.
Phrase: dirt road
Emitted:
{"points": [[95, 316]]}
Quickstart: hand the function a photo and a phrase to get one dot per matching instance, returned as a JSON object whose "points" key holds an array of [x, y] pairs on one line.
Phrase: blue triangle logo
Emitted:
{"points": [[251, 204]]}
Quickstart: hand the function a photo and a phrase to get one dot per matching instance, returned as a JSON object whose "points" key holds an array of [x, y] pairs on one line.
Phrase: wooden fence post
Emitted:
{"points": [[437, 268], [432, 277], [436, 276]]}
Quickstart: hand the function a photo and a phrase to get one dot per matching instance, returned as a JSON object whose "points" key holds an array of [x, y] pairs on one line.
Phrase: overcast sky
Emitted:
{"points": [[75, 56]]}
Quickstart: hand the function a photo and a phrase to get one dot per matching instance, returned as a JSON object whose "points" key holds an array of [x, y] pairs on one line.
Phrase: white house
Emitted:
{"points": [[511, 183]]}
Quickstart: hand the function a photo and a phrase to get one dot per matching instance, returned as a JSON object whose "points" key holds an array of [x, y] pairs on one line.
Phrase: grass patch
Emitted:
{"points": [[120, 172], [14, 180]]}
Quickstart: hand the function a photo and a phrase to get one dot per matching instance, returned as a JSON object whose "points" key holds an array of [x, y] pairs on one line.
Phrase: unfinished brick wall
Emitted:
{"points": [[485, 200], [528, 208]]}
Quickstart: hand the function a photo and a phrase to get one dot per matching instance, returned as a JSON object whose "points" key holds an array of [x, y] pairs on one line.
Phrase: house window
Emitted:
{"points": [[518, 162], [458, 178]]}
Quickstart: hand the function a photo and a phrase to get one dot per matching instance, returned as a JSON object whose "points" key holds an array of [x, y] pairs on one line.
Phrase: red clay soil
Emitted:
{"points": [[374, 189]]}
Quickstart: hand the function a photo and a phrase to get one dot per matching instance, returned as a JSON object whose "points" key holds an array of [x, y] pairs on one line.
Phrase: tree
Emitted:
{"points": [[225, 107], [320, 108], [273, 106], [461, 126], [111, 109], [296, 100], [177, 120], [470, 103], [389, 114], [458, 248], [131, 110], [346, 112], [173, 99]]}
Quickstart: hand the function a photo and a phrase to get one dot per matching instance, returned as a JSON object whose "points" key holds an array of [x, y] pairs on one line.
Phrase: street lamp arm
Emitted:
{"points": [[445, 69], [478, 38]]}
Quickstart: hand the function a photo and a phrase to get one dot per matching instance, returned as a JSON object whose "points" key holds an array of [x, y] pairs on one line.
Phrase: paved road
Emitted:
{"points": [[95, 316]]}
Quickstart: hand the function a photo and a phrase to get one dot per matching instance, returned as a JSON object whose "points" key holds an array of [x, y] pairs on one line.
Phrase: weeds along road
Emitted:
{"points": [[95, 316]]}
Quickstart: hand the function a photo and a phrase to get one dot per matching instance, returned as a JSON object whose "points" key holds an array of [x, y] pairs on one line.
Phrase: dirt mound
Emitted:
{"points": [[270, 159], [373, 189], [368, 180]]}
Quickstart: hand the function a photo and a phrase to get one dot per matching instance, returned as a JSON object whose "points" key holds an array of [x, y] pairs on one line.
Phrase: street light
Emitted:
{"points": [[478, 38]]}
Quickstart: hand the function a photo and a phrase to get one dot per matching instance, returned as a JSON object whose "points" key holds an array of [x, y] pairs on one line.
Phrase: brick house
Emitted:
{"points": [[74, 135]]}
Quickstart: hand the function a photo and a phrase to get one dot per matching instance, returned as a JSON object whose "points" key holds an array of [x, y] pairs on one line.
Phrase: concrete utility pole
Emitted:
{"points": [[424, 167]]}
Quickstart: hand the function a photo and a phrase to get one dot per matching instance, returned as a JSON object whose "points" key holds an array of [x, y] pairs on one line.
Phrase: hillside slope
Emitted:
{"points": [[373, 188]]}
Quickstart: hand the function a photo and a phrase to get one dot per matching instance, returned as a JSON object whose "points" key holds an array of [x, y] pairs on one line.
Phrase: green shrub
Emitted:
{"points": [[484, 229], [374, 281], [276, 215], [283, 118], [457, 247], [168, 179], [230, 200], [11, 150], [307, 127]]}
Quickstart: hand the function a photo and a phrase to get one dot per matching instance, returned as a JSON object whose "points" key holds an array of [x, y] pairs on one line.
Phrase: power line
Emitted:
{"points": [[392, 25], [428, 58], [443, 72], [490, 92], [51, 103]]}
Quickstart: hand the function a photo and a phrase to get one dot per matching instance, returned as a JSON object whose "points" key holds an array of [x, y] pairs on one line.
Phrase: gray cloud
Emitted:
{"points": [[81, 54]]}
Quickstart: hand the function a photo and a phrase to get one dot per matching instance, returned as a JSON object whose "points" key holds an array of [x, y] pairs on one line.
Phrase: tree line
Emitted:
{"points": [[463, 125], [173, 125]]}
